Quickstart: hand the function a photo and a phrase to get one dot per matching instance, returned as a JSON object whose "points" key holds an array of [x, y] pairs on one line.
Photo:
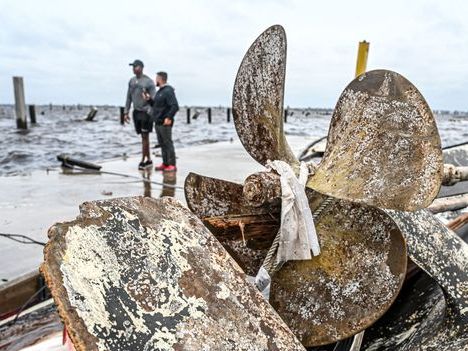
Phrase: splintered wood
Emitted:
{"points": [[145, 274]]}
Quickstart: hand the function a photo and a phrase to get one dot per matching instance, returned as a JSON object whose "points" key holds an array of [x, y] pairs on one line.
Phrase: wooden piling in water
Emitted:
{"points": [[209, 115], [286, 116], [228, 114], [20, 104], [92, 113], [32, 114], [122, 113], [188, 115]]}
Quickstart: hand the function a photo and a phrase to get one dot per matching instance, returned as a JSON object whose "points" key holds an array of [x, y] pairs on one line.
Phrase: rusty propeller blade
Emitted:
{"points": [[145, 274], [432, 312], [383, 145], [434, 321], [257, 100], [353, 281]]}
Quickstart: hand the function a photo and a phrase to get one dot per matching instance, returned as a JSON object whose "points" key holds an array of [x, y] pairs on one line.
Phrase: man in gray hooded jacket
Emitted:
{"points": [[137, 87]]}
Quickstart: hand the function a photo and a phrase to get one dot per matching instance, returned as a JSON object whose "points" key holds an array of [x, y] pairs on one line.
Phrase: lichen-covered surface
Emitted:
{"points": [[383, 145], [145, 274], [444, 256], [353, 281], [257, 102]]}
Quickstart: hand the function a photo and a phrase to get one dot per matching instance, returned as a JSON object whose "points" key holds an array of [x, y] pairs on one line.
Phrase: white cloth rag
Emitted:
{"points": [[298, 238]]}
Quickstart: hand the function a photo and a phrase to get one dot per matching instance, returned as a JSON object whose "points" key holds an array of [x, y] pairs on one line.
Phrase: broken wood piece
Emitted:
{"points": [[258, 233], [458, 222], [145, 274], [451, 203], [454, 174]]}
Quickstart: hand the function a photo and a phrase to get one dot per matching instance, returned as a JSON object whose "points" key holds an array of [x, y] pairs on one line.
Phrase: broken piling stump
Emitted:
{"points": [[92, 113], [145, 274]]}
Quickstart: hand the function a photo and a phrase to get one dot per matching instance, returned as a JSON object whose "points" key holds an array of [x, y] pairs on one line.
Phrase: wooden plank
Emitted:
{"points": [[16, 292]]}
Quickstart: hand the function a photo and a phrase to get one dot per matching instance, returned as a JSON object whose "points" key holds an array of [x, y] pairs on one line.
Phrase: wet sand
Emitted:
{"points": [[32, 203]]}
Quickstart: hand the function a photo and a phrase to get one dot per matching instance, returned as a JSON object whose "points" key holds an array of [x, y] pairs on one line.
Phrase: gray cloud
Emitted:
{"points": [[79, 52]]}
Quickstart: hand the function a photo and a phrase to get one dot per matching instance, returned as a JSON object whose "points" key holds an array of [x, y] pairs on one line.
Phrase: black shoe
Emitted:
{"points": [[141, 166], [148, 164]]}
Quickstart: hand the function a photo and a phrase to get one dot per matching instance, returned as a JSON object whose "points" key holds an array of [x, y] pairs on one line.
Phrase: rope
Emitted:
{"points": [[27, 303], [268, 262], [94, 171], [23, 239]]}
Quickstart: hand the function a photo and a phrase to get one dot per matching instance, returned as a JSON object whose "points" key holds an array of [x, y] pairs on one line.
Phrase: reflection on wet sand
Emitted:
{"points": [[169, 178], [147, 185]]}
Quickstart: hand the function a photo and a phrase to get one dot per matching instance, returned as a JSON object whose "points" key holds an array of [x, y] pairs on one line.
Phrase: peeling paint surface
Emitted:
{"points": [[145, 274], [257, 100], [383, 145], [352, 282]]}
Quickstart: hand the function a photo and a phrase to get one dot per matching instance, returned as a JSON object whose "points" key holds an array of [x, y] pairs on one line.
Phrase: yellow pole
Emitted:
{"points": [[361, 63]]}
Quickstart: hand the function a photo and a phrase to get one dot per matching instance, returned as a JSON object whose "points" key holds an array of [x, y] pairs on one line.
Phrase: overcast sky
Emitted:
{"points": [[78, 51]]}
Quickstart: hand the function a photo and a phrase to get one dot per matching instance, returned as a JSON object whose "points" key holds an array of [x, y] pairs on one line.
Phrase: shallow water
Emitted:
{"points": [[62, 130]]}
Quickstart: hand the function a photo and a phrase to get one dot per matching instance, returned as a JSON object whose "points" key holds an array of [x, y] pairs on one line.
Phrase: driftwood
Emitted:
{"points": [[458, 222], [454, 174], [452, 203]]}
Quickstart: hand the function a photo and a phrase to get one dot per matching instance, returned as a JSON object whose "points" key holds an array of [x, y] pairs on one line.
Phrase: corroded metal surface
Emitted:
{"points": [[209, 197], [353, 281], [420, 307], [438, 251], [262, 188], [444, 256], [383, 146], [145, 274], [257, 102]]}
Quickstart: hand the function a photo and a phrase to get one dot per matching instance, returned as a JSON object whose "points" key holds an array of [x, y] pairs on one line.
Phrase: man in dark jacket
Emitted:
{"points": [[165, 106], [139, 85]]}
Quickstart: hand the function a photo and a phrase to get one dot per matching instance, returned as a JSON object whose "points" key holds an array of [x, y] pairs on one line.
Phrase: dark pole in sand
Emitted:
{"points": [[20, 105], [228, 112], [32, 114], [122, 119], [285, 116], [188, 115], [209, 115]]}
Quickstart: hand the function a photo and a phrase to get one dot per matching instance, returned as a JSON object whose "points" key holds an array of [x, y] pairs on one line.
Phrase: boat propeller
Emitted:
{"points": [[383, 152]]}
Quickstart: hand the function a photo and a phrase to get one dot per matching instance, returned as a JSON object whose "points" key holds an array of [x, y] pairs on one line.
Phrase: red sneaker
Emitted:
{"points": [[161, 167], [170, 168]]}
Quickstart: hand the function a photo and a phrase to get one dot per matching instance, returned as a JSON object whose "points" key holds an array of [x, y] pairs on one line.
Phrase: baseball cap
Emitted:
{"points": [[136, 63]]}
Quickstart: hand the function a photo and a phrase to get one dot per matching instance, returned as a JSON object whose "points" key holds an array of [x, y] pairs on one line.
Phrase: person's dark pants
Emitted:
{"points": [[164, 134]]}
